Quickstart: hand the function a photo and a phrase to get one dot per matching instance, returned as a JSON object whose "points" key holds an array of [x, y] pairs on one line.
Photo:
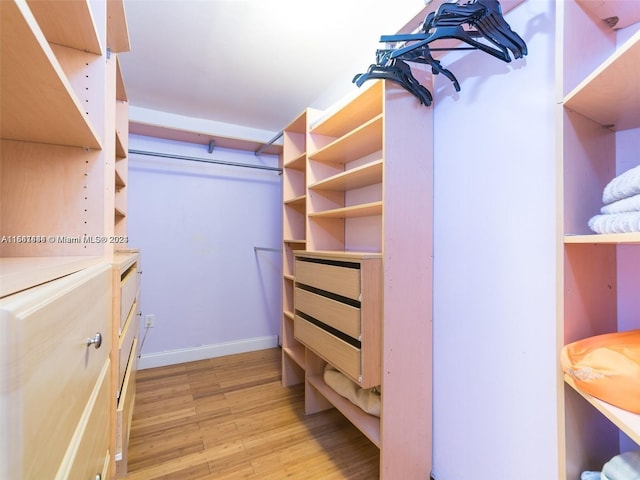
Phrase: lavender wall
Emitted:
{"points": [[197, 224], [494, 320]]}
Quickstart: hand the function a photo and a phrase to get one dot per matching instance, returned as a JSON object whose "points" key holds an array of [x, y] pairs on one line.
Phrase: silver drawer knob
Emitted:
{"points": [[95, 341], [99, 476]]}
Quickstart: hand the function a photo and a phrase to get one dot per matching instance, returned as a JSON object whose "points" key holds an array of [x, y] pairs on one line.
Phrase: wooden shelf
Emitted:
{"points": [[369, 425], [367, 105], [298, 202], [610, 95], [300, 241], [298, 124], [359, 142], [296, 354], [67, 23], [626, 421], [627, 12], [607, 238], [120, 180], [364, 210], [38, 103], [121, 92], [117, 30], [298, 163], [362, 176]]}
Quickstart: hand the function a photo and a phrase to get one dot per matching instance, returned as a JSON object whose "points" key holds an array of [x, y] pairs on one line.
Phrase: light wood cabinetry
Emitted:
{"points": [[358, 201], [54, 383], [63, 176], [599, 125], [124, 352]]}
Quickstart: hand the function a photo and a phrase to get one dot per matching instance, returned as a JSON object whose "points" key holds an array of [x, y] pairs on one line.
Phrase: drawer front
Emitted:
{"points": [[86, 454], [339, 353], [338, 315], [124, 413], [333, 278], [129, 333], [128, 293], [48, 372]]}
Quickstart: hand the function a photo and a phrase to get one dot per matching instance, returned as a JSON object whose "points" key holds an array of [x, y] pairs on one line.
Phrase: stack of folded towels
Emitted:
{"points": [[621, 210], [625, 466]]}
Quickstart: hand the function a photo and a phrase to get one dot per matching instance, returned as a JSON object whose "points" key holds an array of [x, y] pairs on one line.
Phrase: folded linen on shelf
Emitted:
{"points": [[624, 185], [367, 399], [625, 466], [629, 204], [626, 222]]}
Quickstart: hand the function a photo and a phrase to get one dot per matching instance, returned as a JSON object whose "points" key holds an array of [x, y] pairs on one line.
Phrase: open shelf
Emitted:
{"points": [[617, 238], [364, 210], [297, 202], [67, 23], [117, 30], [296, 353], [626, 421], [359, 142], [610, 95], [298, 163], [362, 176], [367, 105], [369, 425], [38, 103]]}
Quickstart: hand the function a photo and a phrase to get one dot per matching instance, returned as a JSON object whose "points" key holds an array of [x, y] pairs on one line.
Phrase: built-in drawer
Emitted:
{"points": [[86, 456], [339, 353], [48, 367], [335, 276], [338, 311], [339, 315], [124, 412], [128, 292], [127, 337]]}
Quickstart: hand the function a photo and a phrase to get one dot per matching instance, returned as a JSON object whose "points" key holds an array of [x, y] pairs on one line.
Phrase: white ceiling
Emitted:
{"points": [[255, 63]]}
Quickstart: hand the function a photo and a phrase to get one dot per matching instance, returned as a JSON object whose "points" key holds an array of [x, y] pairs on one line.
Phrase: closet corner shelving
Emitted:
{"points": [[599, 101], [294, 183], [358, 193]]}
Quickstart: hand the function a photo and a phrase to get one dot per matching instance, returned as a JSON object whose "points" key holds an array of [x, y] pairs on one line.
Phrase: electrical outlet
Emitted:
{"points": [[150, 320]]}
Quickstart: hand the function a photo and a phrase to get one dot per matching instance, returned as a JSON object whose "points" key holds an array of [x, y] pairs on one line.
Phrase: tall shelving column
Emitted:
{"points": [[598, 129], [370, 190], [294, 166]]}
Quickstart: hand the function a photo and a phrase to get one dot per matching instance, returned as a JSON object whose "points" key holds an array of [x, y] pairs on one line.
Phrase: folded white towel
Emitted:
{"points": [[629, 204], [625, 466], [624, 185], [626, 222]]}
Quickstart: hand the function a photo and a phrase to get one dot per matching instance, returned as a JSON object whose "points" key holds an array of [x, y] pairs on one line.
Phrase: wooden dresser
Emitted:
{"points": [[55, 341]]}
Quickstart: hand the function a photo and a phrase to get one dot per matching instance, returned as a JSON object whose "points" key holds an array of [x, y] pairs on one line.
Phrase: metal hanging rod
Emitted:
{"points": [[269, 143], [205, 160]]}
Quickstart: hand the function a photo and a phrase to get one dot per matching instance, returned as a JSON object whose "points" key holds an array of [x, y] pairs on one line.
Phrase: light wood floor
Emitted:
{"points": [[230, 418]]}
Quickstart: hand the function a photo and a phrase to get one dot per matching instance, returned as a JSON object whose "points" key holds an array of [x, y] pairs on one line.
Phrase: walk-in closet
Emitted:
{"points": [[349, 239]]}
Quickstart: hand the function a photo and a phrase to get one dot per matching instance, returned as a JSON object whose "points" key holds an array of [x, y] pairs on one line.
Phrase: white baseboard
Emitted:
{"points": [[172, 357]]}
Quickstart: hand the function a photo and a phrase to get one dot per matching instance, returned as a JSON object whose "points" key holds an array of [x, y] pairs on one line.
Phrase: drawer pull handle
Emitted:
{"points": [[96, 340], [98, 476]]}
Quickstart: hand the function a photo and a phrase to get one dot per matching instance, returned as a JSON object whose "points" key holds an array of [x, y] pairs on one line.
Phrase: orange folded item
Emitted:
{"points": [[607, 367]]}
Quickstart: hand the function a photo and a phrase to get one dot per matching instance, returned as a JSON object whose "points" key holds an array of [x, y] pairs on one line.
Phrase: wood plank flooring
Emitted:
{"points": [[230, 418]]}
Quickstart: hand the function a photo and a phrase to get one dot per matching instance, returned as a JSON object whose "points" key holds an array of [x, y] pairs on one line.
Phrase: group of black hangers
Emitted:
{"points": [[484, 16]]}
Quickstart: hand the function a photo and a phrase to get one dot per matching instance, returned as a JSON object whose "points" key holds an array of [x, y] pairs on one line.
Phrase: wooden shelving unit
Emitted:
{"points": [[364, 164], [294, 180], [63, 156], [597, 113]]}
